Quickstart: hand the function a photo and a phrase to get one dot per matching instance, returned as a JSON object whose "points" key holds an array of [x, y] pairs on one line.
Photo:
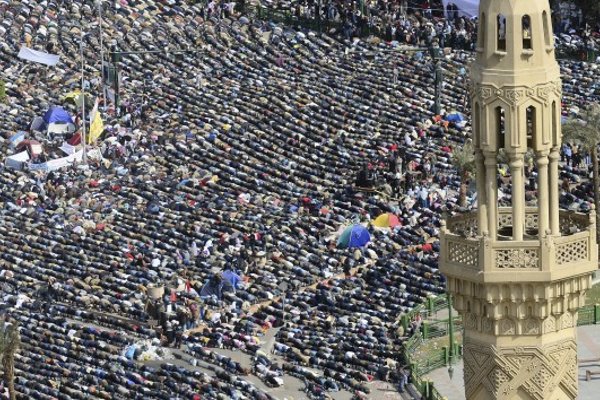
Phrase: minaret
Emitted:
{"points": [[518, 274]]}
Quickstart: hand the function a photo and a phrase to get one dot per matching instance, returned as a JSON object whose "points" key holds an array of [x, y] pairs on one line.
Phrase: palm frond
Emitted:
{"points": [[463, 158], [584, 130]]}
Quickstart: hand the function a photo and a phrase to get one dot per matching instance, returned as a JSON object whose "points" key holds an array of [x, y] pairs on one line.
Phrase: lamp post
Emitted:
{"points": [[83, 136], [115, 57], [283, 286], [103, 76], [450, 337], [436, 53], [436, 56]]}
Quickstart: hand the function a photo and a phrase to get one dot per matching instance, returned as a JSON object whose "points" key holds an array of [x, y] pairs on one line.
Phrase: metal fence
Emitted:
{"points": [[288, 18], [589, 315], [320, 25]]}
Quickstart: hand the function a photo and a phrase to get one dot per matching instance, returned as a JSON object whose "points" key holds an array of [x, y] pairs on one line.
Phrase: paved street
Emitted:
{"points": [[588, 348]]}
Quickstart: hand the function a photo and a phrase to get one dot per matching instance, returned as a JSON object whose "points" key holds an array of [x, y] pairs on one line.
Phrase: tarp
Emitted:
{"points": [[38, 56], [16, 160], [37, 124], [233, 278], [216, 286], [130, 352], [57, 114], [17, 138], [60, 127], [77, 98], [468, 8], [75, 139], [33, 146], [455, 116]]}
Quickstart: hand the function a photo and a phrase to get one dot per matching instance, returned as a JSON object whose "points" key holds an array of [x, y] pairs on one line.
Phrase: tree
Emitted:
{"points": [[463, 159], [585, 131], [10, 340], [589, 8]]}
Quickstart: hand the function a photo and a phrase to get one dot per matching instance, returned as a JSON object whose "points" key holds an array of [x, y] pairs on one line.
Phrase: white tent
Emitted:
{"points": [[468, 8]]}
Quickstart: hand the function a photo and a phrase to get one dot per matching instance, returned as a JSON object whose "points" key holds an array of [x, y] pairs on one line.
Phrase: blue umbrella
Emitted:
{"points": [[354, 236]]}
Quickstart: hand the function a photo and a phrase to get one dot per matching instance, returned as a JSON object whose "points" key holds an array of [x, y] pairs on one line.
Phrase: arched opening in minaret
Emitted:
{"points": [[546, 29], [530, 119], [530, 175], [554, 125], [481, 38], [526, 28], [500, 127], [477, 122], [501, 22]]}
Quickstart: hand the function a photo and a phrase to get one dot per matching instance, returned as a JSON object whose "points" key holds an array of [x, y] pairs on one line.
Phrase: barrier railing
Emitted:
{"points": [[288, 18], [589, 315]]}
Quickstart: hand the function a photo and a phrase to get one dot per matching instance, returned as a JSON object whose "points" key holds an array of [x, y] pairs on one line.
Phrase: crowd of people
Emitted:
{"points": [[420, 23], [224, 173]]}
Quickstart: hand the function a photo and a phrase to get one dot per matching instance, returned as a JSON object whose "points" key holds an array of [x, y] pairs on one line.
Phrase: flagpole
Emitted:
{"points": [[104, 95], [83, 138]]}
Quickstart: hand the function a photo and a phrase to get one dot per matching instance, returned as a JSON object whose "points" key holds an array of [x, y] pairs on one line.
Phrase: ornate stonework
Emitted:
{"points": [[518, 274], [514, 96], [503, 371]]}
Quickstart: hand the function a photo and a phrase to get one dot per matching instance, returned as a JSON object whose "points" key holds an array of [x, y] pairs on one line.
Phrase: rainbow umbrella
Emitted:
{"points": [[354, 236], [386, 220]]}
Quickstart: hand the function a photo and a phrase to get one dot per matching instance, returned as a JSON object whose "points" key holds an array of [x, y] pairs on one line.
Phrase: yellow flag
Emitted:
{"points": [[96, 125]]}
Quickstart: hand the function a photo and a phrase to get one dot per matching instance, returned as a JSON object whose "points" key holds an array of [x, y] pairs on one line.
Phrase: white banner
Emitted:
{"points": [[58, 163], [22, 156], [468, 8], [37, 167], [38, 56]]}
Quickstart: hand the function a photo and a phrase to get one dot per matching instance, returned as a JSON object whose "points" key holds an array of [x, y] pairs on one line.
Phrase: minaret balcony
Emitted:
{"points": [[475, 257]]}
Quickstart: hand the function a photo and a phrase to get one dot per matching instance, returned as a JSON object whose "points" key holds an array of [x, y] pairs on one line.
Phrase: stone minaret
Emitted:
{"points": [[518, 274]]}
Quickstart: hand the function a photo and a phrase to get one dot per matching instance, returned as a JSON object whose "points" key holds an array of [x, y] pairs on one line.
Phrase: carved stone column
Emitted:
{"points": [[554, 206], [518, 196], [482, 212], [543, 200], [491, 189]]}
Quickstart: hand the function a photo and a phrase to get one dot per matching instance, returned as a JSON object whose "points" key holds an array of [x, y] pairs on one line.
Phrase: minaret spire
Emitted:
{"points": [[519, 282]]}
